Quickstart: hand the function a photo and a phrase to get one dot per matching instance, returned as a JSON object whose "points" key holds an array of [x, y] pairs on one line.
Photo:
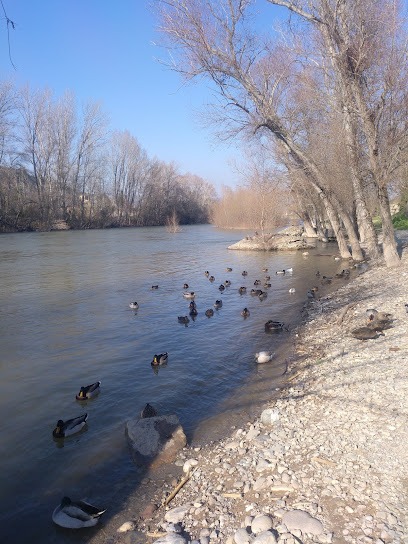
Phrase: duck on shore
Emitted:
{"points": [[69, 427], [366, 333]]}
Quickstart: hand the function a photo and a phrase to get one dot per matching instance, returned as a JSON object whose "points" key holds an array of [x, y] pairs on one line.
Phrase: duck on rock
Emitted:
{"points": [[69, 427]]}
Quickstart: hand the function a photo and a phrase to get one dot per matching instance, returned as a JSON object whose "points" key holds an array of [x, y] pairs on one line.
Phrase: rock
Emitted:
{"points": [[171, 538], [148, 512], [269, 416], [260, 524], [298, 519], [155, 440], [127, 526], [241, 536], [287, 239], [176, 515], [266, 537], [189, 464]]}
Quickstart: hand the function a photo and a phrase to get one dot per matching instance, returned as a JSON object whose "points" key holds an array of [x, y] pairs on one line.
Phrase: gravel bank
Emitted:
{"points": [[327, 462]]}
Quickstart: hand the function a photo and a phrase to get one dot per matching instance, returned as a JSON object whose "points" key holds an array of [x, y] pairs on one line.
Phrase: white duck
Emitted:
{"points": [[70, 426], [76, 514], [264, 356]]}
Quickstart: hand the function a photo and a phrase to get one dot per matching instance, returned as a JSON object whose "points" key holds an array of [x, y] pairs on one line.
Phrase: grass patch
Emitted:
{"points": [[399, 220]]}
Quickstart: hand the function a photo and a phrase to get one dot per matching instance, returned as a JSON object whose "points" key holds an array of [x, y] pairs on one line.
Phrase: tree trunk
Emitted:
{"points": [[389, 244]]}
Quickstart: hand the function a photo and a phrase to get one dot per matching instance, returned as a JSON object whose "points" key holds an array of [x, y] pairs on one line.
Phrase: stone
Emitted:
{"points": [[241, 536], [148, 512], [155, 440], [299, 519], [171, 538], [261, 523], [176, 515], [266, 537], [127, 526], [269, 416], [189, 464]]}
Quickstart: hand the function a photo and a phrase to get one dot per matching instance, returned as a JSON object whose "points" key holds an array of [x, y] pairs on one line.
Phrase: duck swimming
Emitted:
{"points": [[206, 273], [292, 290], [209, 313], [262, 295], [229, 269], [88, 391], [280, 272], [211, 278], [185, 286], [191, 294], [242, 290], [218, 304], [183, 319], [221, 287], [245, 273], [264, 356], [76, 514], [257, 282], [274, 326], [134, 305], [256, 292], [227, 283], [148, 411], [155, 286], [160, 359], [245, 312], [69, 427]]}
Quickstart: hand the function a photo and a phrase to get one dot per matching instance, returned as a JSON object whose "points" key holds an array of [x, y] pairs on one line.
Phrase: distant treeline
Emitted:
{"points": [[61, 164]]}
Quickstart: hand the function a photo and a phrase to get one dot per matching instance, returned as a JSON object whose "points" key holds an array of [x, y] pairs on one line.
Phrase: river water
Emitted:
{"points": [[65, 322]]}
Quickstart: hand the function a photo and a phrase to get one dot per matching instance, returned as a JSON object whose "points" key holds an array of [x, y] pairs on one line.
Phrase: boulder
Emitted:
{"points": [[155, 440], [298, 519], [290, 238]]}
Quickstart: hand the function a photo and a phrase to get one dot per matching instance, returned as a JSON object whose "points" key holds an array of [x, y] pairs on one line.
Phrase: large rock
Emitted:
{"points": [[298, 519], [155, 440]]}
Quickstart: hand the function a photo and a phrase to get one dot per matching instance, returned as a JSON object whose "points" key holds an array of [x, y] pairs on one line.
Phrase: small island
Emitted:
{"points": [[289, 238]]}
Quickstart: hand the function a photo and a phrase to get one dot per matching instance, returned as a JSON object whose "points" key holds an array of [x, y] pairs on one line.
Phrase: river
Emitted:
{"points": [[65, 322]]}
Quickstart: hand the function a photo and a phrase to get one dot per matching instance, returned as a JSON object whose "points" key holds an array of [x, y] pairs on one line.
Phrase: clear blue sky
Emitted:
{"points": [[104, 51]]}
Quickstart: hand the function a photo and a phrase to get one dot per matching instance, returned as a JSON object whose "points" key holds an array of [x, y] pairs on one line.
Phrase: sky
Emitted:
{"points": [[105, 51]]}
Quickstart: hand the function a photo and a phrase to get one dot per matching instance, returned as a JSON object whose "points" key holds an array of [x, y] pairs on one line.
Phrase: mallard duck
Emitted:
{"points": [[193, 311], [160, 359], [209, 312], [264, 270], [245, 312], [76, 514], [88, 391], [245, 273], [69, 427], [264, 356], [256, 292], [242, 290], [155, 286], [190, 294], [185, 286], [266, 285], [229, 269], [292, 290], [366, 333], [134, 305], [148, 411], [221, 287], [206, 273], [378, 321], [262, 295], [211, 278], [193, 308], [267, 278], [281, 272], [257, 282], [218, 304], [183, 319], [272, 325], [227, 283]]}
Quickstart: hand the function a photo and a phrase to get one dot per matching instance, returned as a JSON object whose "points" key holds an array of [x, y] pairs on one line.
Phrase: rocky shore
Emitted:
{"points": [[288, 239], [327, 460]]}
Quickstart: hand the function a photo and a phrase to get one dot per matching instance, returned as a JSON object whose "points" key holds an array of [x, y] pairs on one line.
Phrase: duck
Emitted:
{"points": [[69, 427], [266, 285], [406, 308], [257, 282], [292, 290], [193, 311], [337, 258], [262, 295], [311, 294], [242, 290], [211, 278], [305, 253], [155, 286], [264, 270], [245, 273], [256, 292], [318, 273], [88, 391], [185, 286], [183, 319], [229, 269], [267, 278], [134, 305], [281, 272], [290, 270], [206, 273], [209, 312], [221, 287], [366, 333], [227, 283], [190, 294], [160, 359], [264, 356], [76, 514], [245, 312], [272, 325], [218, 304], [148, 411], [378, 320]]}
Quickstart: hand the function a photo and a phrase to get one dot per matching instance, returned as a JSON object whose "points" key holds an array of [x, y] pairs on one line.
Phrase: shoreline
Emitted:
{"points": [[335, 452]]}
